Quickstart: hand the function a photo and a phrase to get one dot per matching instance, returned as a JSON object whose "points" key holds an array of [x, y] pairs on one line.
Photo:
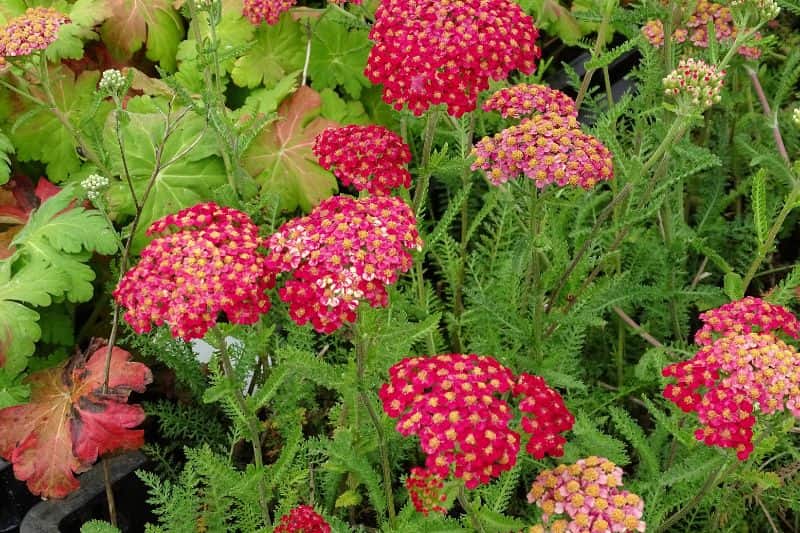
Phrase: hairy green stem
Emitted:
{"points": [[361, 357], [420, 192], [473, 516], [458, 290], [50, 101], [251, 421], [598, 47]]}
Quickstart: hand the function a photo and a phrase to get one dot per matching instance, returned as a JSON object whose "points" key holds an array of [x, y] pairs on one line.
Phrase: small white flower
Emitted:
{"points": [[112, 82]]}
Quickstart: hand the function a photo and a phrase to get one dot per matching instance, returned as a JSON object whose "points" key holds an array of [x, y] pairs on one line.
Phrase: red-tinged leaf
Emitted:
{"points": [[281, 160], [153, 24], [69, 422], [17, 199]]}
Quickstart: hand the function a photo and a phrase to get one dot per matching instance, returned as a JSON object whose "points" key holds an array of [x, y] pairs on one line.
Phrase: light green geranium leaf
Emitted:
{"points": [[338, 58], [278, 50]]}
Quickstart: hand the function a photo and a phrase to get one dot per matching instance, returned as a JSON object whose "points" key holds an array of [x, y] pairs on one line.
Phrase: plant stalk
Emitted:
{"points": [[772, 117], [252, 423], [361, 356]]}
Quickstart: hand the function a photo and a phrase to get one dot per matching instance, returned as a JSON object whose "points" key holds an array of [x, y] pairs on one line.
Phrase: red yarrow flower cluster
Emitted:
{"points": [[696, 29], [590, 494], [741, 364], [36, 29], [548, 416], [269, 11], [371, 158], [526, 98], [204, 260], [425, 490], [746, 315], [430, 52], [345, 251], [454, 404], [302, 519], [547, 148]]}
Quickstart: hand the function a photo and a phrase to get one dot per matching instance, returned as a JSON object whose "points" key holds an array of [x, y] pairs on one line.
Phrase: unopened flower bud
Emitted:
{"points": [[94, 184], [112, 82], [695, 83]]}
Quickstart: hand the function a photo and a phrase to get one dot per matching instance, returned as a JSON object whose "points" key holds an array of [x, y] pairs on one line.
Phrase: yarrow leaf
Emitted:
{"points": [[70, 422]]}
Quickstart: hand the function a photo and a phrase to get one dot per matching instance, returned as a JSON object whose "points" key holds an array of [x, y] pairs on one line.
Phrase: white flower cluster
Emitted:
{"points": [[112, 81], [94, 185], [796, 116], [764, 10]]}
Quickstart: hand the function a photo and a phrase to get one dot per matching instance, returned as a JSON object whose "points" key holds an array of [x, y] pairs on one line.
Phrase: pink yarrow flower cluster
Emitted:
{"points": [[524, 99], [345, 251], [302, 519], [696, 29], [269, 11], [204, 260], [371, 158], [454, 404], [547, 148], [430, 52], [696, 83], [36, 29], [590, 494], [738, 371]]}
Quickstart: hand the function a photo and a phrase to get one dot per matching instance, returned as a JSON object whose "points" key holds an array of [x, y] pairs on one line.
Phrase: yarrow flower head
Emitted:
{"points": [[36, 29], [525, 99], [94, 185], [696, 28], [454, 404], [763, 10], [590, 494], [695, 83], [269, 11], [204, 260], [744, 316], [426, 491], [345, 251], [302, 519], [371, 158], [740, 370], [796, 116], [430, 52], [112, 82], [547, 148]]}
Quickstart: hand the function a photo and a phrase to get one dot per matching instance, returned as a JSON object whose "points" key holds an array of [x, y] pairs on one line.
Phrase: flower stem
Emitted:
{"points": [[598, 47], [251, 421], [772, 117], [458, 290], [464, 501], [361, 356]]}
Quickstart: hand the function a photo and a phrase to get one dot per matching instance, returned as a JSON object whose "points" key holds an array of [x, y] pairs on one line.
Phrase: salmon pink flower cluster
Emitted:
{"points": [[696, 29], [204, 260], [454, 404], [430, 52], [526, 98], [302, 519], [371, 158], [744, 316], [36, 29], [269, 11], [739, 370], [345, 251], [425, 490], [590, 494], [547, 148]]}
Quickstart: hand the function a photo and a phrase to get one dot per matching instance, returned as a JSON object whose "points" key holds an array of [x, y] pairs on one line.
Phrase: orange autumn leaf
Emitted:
{"points": [[70, 422]]}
